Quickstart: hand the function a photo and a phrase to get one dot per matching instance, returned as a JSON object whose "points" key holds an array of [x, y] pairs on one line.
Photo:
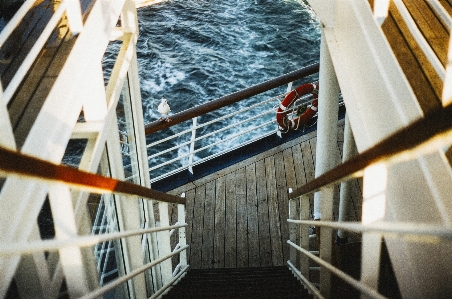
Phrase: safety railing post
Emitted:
{"points": [[304, 235], [182, 238], [192, 145], [74, 15], [164, 244], [289, 88], [293, 228]]}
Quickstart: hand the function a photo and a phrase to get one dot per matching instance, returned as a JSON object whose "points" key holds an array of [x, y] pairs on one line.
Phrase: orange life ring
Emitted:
{"points": [[286, 124]]}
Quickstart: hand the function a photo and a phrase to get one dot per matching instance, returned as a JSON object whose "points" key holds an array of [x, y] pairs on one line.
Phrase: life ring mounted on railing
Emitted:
{"points": [[286, 124]]}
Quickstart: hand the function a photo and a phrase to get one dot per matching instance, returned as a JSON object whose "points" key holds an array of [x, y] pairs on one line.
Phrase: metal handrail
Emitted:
{"points": [[82, 241], [231, 98], [254, 121], [425, 135], [120, 280], [13, 162]]}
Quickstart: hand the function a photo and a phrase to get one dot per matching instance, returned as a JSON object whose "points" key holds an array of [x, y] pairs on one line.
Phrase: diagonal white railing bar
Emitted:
{"points": [[81, 241], [120, 280], [389, 229], [369, 292], [422, 42]]}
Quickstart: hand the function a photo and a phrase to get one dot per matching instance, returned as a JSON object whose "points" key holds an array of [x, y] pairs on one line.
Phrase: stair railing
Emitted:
{"points": [[69, 8], [64, 178], [427, 135]]}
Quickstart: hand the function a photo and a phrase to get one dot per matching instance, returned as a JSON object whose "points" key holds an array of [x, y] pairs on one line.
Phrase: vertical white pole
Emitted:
{"points": [[164, 244], [326, 154], [374, 209], [447, 84], [74, 15], [349, 150], [293, 228], [6, 133], [192, 144], [327, 118], [65, 228], [289, 88], [182, 238], [304, 235], [381, 8]]}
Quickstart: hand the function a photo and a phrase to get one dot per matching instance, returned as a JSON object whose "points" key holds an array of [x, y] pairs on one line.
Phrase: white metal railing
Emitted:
{"points": [[370, 164], [261, 119], [73, 13]]}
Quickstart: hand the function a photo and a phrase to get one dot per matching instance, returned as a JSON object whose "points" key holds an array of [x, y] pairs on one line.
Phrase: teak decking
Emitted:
{"points": [[237, 216]]}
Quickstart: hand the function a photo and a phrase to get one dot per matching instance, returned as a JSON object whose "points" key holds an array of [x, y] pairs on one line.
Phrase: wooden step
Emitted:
{"points": [[421, 75], [255, 282]]}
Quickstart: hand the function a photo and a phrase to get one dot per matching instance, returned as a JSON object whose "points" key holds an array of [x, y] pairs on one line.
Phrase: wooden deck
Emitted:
{"points": [[237, 216]]}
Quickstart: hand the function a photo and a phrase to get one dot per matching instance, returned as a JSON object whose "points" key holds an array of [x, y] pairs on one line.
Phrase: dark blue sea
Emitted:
{"points": [[195, 51]]}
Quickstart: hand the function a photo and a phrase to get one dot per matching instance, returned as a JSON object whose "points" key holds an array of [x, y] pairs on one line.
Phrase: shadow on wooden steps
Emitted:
{"points": [[262, 282]]}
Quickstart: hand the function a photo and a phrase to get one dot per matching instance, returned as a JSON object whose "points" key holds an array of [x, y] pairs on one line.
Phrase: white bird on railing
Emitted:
{"points": [[164, 109]]}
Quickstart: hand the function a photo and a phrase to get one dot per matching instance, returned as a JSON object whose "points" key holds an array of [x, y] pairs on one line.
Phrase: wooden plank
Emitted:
{"points": [[447, 4], [242, 219], [273, 209], [253, 224], [417, 69], [283, 203], [220, 223], [256, 158], [189, 208], [300, 174], [198, 221], [265, 249], [430, 26], [209, 226], [230, 259]]}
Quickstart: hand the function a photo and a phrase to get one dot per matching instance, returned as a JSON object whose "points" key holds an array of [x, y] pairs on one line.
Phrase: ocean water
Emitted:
{"points": [[195, 51]]}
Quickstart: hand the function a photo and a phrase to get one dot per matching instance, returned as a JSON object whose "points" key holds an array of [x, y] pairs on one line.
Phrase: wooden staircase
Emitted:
{"points": [[257, 282]]}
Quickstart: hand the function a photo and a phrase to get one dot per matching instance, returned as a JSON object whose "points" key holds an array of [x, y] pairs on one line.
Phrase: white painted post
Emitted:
{"points": [[6, 133], [182, 238], [326, 154], [65, 228], [74, 15], [447, 85], [381, 8], [164, 244], [304, 235], [192, 144], [349, 150], [374, 209], [289, 88], [293, 228], [128, 217]]}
